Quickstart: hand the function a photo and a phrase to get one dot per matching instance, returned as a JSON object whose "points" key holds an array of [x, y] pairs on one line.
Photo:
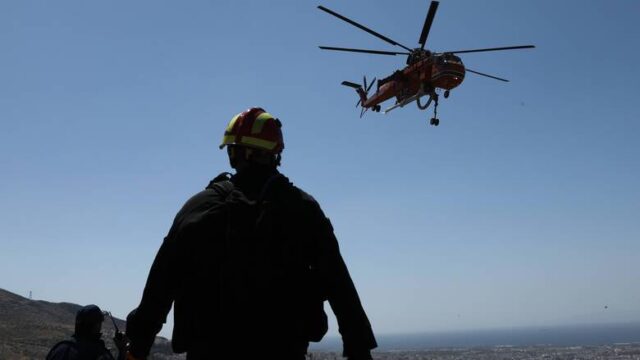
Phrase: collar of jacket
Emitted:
{"points": [[252, 182]]}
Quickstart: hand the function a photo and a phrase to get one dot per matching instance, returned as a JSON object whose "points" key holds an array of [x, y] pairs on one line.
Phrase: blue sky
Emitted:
{"points": [[520, 209]]}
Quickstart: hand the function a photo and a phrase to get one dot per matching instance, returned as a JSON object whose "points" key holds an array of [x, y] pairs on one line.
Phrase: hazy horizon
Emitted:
{"points": [[580, 321]]}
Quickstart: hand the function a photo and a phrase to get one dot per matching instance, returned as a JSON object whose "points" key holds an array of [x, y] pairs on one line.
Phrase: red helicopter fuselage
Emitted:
{"points": [[430, 72]]}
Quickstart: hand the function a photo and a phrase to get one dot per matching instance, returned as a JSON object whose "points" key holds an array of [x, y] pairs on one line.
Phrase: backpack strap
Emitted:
{"points": [[222, 185], [221, 177]]}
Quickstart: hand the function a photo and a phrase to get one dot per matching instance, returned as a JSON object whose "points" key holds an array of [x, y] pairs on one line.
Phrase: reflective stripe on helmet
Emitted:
{"points": [[248, 141], [228, 139], [258, 124]]}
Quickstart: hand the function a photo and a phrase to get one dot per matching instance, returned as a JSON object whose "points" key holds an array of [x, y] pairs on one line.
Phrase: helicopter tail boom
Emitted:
{"points": [[359, 89]]}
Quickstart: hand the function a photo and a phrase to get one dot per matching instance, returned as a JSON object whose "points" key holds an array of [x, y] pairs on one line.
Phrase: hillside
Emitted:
{"points": [[29, 328]]}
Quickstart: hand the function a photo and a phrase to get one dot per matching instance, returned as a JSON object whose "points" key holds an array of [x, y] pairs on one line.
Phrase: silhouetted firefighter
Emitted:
{"points": [[86, 342], [248, 264]]}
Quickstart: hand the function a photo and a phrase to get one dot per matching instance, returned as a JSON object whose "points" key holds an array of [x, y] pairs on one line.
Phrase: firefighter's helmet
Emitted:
{"points": [[255, 128]]}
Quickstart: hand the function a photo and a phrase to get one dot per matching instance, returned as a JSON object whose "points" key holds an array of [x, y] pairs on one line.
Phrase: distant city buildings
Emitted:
{"points": [[629, 351]]}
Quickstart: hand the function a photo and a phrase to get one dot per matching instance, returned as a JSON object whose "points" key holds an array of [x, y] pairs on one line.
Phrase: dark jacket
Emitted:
{"points": [[80, 349], [193, 270]]}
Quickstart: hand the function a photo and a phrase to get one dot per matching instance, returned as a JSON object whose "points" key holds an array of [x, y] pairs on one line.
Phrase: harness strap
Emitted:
{"points": [[222, 185]]}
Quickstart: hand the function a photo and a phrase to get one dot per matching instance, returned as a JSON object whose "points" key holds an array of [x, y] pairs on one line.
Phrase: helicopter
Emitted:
{"points": [[426, 72]]}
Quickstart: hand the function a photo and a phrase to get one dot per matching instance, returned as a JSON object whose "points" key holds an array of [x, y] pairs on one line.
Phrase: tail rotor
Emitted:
{"points": [[367, 88], [362, 90]]}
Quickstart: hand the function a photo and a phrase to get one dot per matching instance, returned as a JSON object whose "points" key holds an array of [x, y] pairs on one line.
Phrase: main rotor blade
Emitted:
{"points": [[362, 27], [490, 49], [487, 75], [378, 52], [427, 23]]}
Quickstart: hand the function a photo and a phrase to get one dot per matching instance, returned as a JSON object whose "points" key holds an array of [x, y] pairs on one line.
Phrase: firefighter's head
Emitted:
{"points": [[89, 322], [253, 139]]}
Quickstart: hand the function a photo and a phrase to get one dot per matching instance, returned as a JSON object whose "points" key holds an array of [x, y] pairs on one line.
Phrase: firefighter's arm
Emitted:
{"points": [[354, 326], [146, 321]]}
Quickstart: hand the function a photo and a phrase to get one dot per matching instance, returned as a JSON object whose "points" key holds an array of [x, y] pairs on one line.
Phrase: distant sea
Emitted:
{"points": [[575, 335]]}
